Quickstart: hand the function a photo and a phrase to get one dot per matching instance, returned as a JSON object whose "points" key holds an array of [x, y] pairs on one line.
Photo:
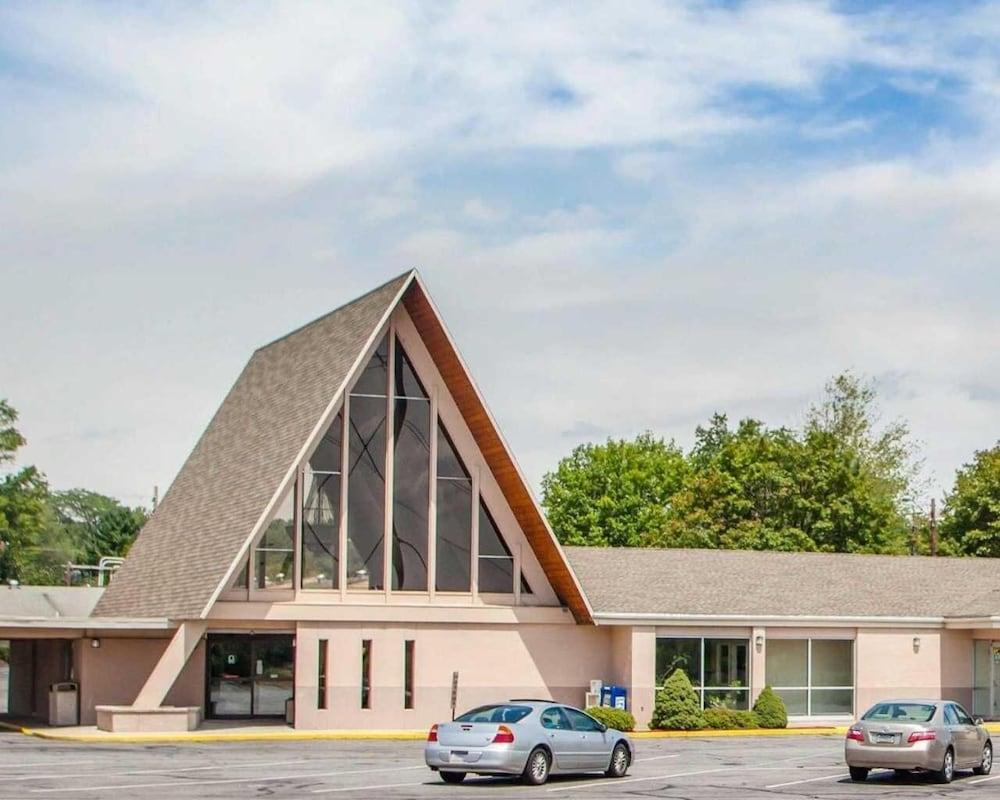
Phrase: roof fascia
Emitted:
{"points": [[313, 438], [776, 620], [418, 281]]}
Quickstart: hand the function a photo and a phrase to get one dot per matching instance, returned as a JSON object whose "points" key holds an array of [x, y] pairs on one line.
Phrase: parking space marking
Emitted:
{"points": [[47, 764], [161, 770], [656, 758], [807, 780], [221, 781], [365, 788], [983, 780]]}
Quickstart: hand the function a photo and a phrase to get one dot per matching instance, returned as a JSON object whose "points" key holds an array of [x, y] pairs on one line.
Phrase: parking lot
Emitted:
{"points": [[781, 767]]}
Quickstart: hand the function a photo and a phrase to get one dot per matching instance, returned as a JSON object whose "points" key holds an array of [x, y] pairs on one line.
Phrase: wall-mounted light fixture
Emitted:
{"points": [[95, 643], [759, 642], [916, 644]]}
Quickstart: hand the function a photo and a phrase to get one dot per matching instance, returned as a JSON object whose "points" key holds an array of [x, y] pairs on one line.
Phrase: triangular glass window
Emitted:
{"points": [[375, 378], [407, 384], [274, 553], [321, 511], [496, 562], [449, 464]]}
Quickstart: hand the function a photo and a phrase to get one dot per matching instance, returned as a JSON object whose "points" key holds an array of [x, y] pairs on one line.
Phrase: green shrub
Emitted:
{"points": [[770, 710], [677, 705], [617, 718], [727, 719]]}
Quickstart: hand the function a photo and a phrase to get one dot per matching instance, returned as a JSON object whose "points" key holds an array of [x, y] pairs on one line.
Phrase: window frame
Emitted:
{"points": [[701, 689], [810, 687]]}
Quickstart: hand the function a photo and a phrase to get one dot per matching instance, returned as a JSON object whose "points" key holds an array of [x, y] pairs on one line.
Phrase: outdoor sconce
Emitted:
{"points": [[759, 642], [95, 643], [916, 644]]}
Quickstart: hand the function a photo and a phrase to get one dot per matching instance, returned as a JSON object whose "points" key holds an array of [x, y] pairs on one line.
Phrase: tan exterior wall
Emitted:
{"points": [[113, 674], [494, 663], [888, 665]]}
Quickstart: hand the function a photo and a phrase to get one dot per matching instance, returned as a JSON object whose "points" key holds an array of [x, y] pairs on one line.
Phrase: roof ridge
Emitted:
{"points": [[407, 274]]}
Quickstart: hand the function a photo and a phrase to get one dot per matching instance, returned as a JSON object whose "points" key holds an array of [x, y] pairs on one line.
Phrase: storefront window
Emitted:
{"points": [[814, 677], [982, 678], [717, 668]]}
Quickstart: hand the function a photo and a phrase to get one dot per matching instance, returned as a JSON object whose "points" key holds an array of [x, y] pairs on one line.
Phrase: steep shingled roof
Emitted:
{"points": [[240, 461], [761, 584]]}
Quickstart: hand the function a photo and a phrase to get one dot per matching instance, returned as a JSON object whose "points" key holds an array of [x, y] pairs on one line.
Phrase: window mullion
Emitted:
{"points": [[390, 444], [345, 461], [432, 496]]}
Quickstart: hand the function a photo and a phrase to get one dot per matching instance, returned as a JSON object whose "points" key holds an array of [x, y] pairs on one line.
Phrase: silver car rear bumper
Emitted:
{"points": [[494, 759], [926, 755]]}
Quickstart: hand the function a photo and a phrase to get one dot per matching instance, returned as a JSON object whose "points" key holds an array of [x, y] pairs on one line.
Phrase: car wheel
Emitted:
{"points": [[947, 772], [452, 777], [619, 762], [536, 771], [987, 763], [858, 774]]}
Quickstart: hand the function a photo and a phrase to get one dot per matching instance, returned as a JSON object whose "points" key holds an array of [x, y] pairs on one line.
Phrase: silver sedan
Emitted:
{"points": [[935, 736], [529, 738]]}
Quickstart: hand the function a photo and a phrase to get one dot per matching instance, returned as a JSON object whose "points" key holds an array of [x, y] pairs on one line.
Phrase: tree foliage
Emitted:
{"points": [[23, 511], [677, 706], [971, 520], [613, 494], [837, 484]]}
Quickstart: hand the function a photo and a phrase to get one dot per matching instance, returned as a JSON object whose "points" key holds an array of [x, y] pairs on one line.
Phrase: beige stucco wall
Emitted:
{"points": [[494, 662], [113, 674]]}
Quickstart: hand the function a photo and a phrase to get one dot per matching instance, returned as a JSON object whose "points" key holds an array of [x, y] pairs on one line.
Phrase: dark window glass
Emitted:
{"points": [[327, 455], [454, 519], [241, 580], [275, 550], [321, 531], [366, 493], [678, 654], [580, 721], [496, 713], [554, 718], [321, 675], [900, 712], [375, 378], [449, 464], [407, 384], [726, 662], [496, 564], [408, 673], [454, 536], [410, 494], [366, 673]]}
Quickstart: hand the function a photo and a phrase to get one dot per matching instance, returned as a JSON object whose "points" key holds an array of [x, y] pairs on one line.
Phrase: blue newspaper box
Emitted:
{"points": [[614, 697]]}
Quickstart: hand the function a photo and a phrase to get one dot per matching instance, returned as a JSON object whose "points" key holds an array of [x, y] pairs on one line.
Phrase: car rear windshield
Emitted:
{"points": [[900, 712], [497, 713]]}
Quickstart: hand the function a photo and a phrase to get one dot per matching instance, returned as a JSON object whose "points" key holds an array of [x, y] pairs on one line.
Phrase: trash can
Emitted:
{"points": [[63, 707], [614, 697]]}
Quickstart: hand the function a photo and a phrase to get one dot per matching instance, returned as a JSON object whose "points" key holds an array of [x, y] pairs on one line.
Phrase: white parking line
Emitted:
{"points": [[656, 758], [365, 788], [159, 771], [806, 780], [221, 781], [983, 780], [47, 764], [620, 781]]}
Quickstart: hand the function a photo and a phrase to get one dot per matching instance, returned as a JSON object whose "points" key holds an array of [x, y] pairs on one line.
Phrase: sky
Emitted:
{"points": [[631, 215]]}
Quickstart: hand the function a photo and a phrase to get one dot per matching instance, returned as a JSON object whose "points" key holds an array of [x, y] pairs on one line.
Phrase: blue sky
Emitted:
{"points": [[630, 217]]}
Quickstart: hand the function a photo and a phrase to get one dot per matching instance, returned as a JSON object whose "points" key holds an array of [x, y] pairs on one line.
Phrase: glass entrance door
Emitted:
{"points": [[249, 675]]}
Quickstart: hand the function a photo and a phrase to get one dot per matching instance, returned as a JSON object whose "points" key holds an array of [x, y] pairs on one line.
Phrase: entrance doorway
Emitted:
{"points": [[249, 675]]}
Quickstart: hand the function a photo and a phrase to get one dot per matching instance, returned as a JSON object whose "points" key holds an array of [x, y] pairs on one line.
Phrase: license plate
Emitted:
{"points": [[885, 738]]}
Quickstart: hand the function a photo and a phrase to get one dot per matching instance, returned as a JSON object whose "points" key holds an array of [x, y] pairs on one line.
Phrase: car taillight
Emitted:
{"points": [[855, 734], [504, 735], [921, 736], [432, 735]]}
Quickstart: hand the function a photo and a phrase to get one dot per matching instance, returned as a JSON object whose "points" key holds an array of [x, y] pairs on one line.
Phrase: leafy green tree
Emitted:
{"points": [[971, 519], [613, 494], [23, 495], [97, 525]]}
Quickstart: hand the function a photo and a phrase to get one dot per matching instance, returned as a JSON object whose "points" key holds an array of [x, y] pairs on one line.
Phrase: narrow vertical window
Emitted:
{"points": [[411, 422], [454, 518], [275, 550], [321, 675], [496, 563], [408, 673], [366, 673], [366, 474], [321, 512]]}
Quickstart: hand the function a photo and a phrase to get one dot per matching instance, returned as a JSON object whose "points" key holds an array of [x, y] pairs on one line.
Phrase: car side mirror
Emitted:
{"points": [[977, 720], [602, 727]]}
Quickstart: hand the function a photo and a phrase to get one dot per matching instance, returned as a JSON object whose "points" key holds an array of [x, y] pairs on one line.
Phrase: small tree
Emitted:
{"points": [[769, 710], [677, 706]]}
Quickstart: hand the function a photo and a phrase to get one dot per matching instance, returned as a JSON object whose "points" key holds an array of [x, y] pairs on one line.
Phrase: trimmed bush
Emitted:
{"points": [[617, 718], [677, 705], [770, 710], [727, 719]]}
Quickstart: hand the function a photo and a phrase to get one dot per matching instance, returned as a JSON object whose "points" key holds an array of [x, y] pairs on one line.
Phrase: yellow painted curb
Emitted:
{"points": [[9, 727]]}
